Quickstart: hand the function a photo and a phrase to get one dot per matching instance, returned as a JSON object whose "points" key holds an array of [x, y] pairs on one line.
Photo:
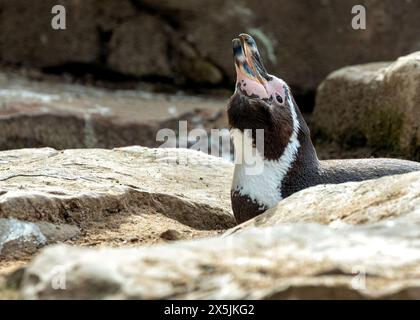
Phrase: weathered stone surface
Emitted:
{"points": [[37, 114], [18, 238], [301, 41], [75, 186], [291, 261], [374, 104], [350, 203], [348, 241]]}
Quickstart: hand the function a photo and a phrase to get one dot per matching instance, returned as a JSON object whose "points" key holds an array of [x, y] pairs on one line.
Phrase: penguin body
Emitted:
{"points": [[286, 155]]}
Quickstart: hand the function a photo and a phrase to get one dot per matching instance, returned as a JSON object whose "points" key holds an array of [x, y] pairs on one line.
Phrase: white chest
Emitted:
{"points": [[261, 179]]}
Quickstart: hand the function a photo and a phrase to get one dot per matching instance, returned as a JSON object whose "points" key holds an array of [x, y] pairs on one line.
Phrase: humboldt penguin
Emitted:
{"points": [[285, 160]]}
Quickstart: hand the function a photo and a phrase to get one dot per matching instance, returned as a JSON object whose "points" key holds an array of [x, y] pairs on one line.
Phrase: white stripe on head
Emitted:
{"points": [[265, 188]]}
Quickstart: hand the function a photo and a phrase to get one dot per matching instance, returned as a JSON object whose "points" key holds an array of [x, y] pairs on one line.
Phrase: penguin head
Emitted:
{"points": [[261, 100], [275, 88]]}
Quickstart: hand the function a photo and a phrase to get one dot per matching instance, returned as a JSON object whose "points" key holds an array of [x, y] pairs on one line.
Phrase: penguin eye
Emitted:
{"points": [[279, 98]]}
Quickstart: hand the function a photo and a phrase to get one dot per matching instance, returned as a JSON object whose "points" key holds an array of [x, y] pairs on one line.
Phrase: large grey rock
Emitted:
{"points": [[284, 262], [18, 235], [37, 114], [374, 104], [77, 186], [18, 238]]}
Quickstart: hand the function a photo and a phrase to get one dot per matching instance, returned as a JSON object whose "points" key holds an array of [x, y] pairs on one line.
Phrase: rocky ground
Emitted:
{"points": [[45, 200], [313, 245]]}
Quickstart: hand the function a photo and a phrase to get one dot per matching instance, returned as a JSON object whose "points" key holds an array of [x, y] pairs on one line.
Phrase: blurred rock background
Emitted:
{"points": [[175, 46]]}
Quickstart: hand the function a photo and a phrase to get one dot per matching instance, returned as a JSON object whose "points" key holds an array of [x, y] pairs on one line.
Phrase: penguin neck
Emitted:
{"points": [[306, 166], [307, 153], [297, 160]]}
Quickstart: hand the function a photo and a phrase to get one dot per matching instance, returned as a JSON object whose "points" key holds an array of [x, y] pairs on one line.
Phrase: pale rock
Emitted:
{"points": [[357, 240], [292, 261], [78, 186], [19, 235], [373, 104]]}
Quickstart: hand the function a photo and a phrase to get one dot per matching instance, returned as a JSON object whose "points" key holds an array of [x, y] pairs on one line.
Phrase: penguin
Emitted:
{"points": [[286, 156]]}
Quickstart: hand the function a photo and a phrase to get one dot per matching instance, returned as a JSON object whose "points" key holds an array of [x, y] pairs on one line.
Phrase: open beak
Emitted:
{"points": [[249, 55], [242, 62], [253, 58]]}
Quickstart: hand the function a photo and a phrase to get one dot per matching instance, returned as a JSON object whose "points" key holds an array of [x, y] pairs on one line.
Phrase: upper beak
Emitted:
{"points": [[253, 57], [242, 62], [247, 51]]}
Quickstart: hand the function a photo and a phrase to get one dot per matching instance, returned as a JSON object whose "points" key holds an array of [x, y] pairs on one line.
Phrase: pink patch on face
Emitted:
{"points": [[275, 87], [249, 86]]}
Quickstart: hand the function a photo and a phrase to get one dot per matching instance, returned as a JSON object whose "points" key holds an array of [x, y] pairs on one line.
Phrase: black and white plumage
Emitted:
{"points": [[286, 155]]}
